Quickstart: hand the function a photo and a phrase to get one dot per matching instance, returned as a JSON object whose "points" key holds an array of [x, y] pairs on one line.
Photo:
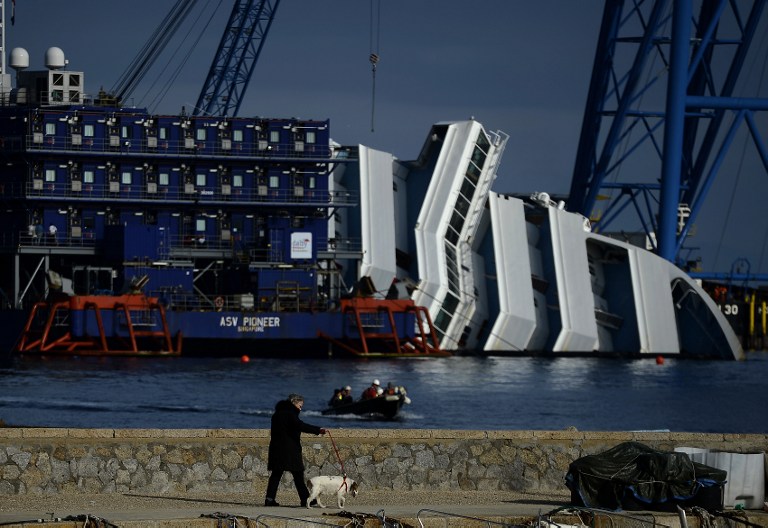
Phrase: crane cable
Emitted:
{"points": [[373, 57], [206, 14], [157, 42]]}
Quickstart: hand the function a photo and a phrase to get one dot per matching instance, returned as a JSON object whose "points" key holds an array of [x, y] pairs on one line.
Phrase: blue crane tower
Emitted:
{"points": [[664, 93], [237, 54]]}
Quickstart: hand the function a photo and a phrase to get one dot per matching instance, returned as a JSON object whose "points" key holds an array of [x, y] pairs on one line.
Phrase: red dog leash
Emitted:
{"points": [[341, 462]]}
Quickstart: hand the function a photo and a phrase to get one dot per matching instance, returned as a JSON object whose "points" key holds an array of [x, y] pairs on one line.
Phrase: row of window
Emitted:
{"points": [[162, 133], [252, 226], [164, 178], [468, 187], [453, 232]]}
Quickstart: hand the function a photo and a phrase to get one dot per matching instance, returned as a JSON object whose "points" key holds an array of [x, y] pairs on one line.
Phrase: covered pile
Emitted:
{"points": [[633, 476]]}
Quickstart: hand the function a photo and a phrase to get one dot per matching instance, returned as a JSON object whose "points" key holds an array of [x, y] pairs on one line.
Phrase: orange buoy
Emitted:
{"points": [[244, 359], [659, 360]]}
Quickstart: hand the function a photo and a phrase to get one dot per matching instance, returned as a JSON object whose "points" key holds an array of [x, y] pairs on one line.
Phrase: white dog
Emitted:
{"points": [[338, 485]]}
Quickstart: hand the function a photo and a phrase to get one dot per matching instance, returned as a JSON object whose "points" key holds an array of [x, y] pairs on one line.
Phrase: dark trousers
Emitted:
{"points": [[298, 480]]}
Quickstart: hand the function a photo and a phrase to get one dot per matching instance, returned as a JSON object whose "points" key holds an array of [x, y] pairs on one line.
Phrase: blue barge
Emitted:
{"points": [[131, 233]]}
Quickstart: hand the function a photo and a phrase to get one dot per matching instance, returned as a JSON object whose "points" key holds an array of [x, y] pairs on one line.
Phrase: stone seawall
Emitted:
{"points": [[51, 461]]}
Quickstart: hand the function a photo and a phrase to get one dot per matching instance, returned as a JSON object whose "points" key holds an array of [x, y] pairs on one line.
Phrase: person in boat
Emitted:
{"points": [[342, 396], [335, 399], [373, 391], [285, 448]]}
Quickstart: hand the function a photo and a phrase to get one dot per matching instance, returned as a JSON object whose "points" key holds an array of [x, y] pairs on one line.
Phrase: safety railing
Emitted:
{"points": [[340, 245], [219, 147], [585, 516], [151, 192], [235, 246], [45, 239], [464, 519], [281, 521], [268, 300]]}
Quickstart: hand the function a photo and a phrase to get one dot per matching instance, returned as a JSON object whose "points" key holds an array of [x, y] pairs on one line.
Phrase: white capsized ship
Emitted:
{"points": [[505, 275]]}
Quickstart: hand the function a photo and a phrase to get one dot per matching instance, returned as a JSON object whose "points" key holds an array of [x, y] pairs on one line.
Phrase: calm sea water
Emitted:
{"points": [[449, 393]]}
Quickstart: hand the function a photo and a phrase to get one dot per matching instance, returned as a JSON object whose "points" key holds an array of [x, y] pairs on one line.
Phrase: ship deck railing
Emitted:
{"points": [[116, 192], [243, 249], [184, 148], [268, 300], [46, 242], [139, 318]]}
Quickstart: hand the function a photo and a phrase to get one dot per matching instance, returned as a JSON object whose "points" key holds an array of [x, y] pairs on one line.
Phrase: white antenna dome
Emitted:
{"points": [[54, 58], [19, 59]]}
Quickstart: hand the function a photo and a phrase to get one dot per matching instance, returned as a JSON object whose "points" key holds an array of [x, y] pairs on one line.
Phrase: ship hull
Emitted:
{"points": [[137, 325]]}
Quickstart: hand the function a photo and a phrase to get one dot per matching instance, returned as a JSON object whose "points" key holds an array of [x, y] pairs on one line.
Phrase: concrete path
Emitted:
{"points": [[409, 508]]}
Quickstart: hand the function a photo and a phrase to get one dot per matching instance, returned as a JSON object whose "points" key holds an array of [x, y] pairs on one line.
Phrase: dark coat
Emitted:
{"points": [[285, 438]]}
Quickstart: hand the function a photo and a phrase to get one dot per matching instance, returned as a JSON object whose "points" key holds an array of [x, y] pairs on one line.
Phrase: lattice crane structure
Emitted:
{"points": [[236, 57], [665, 93]]}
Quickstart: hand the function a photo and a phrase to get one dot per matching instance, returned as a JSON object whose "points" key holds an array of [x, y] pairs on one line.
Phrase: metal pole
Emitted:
{"points": [[2, 40], [672, 164]]}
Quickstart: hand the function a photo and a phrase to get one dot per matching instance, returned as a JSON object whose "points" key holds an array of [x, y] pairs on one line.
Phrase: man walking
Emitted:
{"points": [[285, 448]]}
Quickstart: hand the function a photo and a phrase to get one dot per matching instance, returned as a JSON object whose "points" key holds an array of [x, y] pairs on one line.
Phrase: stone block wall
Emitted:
{"points": [[49, 461]]}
